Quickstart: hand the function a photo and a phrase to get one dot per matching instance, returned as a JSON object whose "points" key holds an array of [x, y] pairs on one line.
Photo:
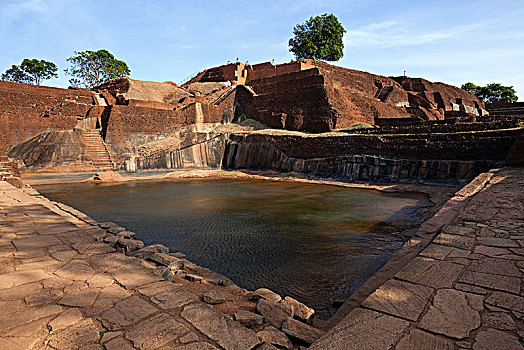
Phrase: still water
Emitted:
{"points": [[315, 243]]}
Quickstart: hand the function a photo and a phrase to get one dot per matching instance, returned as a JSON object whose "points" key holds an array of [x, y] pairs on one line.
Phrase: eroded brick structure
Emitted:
{"points": [[315, 96]]}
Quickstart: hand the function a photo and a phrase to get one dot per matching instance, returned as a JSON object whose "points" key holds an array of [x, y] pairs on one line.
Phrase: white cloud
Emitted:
{"points": [[398, 34]]}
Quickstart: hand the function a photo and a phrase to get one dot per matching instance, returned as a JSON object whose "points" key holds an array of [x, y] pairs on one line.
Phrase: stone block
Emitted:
{"points": [[363, 329], [156, 331], [264, 293], [126, 312], [301, 311], [399, 298], [451, 315], [431, 273], [274, 336], [214, 297], [227, 333], [417, 339], [301, 330], [275, 313], [248, 319]]}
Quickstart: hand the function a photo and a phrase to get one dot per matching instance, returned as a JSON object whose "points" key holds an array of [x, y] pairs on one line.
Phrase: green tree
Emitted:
{"points": [[31, 71], [92, 68], [320, 37], [492, 92]]}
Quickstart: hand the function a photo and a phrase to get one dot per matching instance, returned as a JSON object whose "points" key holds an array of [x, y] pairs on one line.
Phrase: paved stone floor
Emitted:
{"points": [[61, 289], [465, 290]]}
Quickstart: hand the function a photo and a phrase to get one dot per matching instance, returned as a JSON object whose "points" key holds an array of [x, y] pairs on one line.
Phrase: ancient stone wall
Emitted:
{"points": [[129, 126], [30, 110], [439, 95], [491, 144], [503, 108], [358, 158], [294, 101], [240, 155], [206, 153]]}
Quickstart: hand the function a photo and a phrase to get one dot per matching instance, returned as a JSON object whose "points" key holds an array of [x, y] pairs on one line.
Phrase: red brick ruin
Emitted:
{"points": [[308, 95]]}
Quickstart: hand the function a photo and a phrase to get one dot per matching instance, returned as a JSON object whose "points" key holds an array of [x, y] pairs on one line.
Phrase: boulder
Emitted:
{"points": [[302, 312], [264, 293], [214, 297], [301, 331], [248, 319], [275, 313], [274, 336]]}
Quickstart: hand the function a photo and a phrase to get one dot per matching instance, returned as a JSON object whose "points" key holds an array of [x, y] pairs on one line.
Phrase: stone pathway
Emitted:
{"points": [[61, 288], [465, 290]]}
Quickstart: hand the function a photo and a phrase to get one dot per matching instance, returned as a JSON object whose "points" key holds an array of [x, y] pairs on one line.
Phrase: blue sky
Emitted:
{"points": [[450, 41]]}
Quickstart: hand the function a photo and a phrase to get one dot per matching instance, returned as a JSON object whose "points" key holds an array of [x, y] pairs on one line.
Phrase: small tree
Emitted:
{"points": [[92, 68], [320, 37], [31, 71], [492, 92]]}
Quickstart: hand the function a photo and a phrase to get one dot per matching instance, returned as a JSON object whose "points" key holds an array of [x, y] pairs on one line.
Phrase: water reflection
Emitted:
{"points": [[315, 243]]}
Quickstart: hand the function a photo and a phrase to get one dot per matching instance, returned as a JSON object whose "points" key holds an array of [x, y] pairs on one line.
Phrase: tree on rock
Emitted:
{"points": [[492, 92], [320, 37], [31, 71], [92, 68]]}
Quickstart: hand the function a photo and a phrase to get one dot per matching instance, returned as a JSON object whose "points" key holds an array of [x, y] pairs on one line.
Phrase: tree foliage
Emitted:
{"points": [[92, 68], [320, 37], [492, 92], [31, 71]]}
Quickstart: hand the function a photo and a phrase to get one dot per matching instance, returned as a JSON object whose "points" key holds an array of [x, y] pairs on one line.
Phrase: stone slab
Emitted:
{"points": [[167, 295], [431, 273], [227, 333], [505, 283], [363, 329], [417, 339], [451, 315], [156, 331], [127, 312], [399, 298]]}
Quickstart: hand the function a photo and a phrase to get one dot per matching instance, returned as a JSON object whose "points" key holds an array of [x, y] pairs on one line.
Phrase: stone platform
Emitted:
{"points": [[60, 288], [464, 290]]}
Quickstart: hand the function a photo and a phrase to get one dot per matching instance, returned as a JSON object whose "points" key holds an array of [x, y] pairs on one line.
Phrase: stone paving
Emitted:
{"points": [[61, 288], [465, 290]]}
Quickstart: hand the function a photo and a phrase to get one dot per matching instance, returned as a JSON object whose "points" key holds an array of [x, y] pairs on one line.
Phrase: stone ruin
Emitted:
{"points": [[133, 124]]}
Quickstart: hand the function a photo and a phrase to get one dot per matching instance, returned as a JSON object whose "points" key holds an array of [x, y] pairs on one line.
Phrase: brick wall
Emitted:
{"points": [[30, 110]]}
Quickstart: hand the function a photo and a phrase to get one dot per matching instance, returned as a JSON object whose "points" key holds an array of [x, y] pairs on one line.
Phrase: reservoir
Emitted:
{"points": [[315, 243]]}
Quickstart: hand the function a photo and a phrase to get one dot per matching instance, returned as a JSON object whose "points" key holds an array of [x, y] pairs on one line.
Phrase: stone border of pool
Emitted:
{"points": [[421, 238], [376, 317], [458, 284]]}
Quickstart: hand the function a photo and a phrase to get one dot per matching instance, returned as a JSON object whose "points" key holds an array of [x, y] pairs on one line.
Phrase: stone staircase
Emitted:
{"points": [[100, 99], [97, 149], [9, 172]]}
